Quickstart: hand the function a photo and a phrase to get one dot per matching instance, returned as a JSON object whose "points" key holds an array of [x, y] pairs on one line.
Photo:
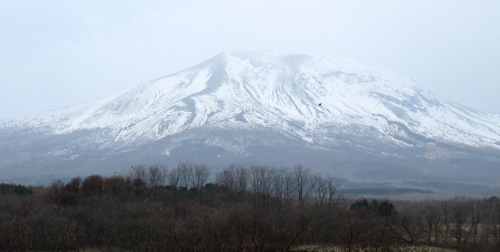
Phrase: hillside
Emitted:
{"points": [[338, 115]]}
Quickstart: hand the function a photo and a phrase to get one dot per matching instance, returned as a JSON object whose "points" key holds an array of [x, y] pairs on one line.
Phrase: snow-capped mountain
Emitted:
{"points": [[239, 104]]}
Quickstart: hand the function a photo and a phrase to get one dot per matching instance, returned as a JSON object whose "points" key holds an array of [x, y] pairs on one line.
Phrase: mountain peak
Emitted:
{"points": [[240, 103], [275, 90]]}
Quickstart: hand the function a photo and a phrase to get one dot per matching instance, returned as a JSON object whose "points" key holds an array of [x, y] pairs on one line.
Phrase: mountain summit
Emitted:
{"points": [[261, 108]]}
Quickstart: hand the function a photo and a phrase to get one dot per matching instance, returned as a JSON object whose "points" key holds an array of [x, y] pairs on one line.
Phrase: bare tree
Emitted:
{"points": [[116, 184], [93, 185], [152, 176], [73, 185], [235, 180], [320, 189], [261, 185], [406, 228], [324, 188], [138, 172], [494, 227], [186, 173], [174, 177], [199, 176], [432, 219], [478, 214], [227, 178], [303, 183], [446, 214], [241, 174], [156, 176], [278, 184], [289, 185], [459, 217]]}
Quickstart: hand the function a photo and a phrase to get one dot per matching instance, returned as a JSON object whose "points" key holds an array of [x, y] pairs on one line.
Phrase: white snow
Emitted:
{"points": [[242, 89]]}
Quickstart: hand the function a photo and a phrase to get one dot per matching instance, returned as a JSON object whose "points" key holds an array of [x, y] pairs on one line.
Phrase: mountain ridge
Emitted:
{"points": [[314, 102], [210, 76]]}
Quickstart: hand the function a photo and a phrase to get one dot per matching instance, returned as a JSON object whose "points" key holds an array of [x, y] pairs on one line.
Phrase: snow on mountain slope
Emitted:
{"points": [[244, 90]]}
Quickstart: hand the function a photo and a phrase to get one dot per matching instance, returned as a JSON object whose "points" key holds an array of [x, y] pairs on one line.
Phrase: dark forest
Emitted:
{"points": [[238, 208]]}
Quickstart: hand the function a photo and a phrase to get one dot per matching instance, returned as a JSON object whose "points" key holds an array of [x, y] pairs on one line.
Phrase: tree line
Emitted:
{"points": [[254, 208]]}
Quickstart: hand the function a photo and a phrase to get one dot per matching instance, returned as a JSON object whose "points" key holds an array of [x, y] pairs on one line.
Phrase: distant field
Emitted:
{"points": [[415, 190], [383, 191], [313, 248]]}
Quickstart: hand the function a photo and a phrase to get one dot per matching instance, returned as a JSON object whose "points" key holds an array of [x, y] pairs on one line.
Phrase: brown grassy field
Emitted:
{"points": [[313, 248]]}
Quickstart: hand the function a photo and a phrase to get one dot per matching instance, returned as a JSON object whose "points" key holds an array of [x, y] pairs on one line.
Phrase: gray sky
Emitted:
{"points": [[55, 54]]}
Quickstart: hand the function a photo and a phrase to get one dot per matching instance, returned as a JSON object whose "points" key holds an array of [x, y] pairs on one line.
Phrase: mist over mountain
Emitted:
{"points": [[345, 117]]}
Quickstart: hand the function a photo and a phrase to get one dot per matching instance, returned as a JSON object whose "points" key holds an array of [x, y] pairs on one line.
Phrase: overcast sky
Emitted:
{"points": [[55, 54]]}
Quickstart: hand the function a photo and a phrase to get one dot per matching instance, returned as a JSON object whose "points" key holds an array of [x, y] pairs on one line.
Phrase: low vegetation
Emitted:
{"points": [[380, 191], [316, 248], [244, 209]]}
